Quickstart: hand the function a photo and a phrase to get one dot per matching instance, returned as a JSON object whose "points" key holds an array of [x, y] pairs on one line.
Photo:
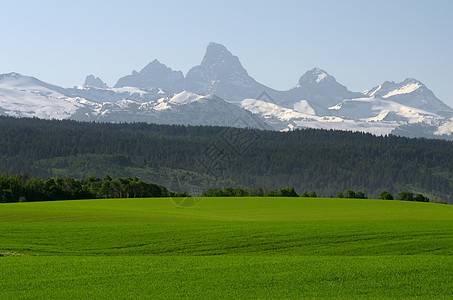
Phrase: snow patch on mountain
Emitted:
{"points": [[445, 128], [406, 89], [99, 95], [348, 125], [285, 119], [304, 107], [376, 109], [24, 96], [270, 110], [185, 98], [18, 81], [321, 77]]}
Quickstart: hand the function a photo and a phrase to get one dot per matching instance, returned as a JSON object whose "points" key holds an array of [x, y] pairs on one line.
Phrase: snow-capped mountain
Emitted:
{"points": [[184, 108], [319, 90], [25, 96], [220, 92], [410, 92], [367, 113], [99, 95], [284, 119]]}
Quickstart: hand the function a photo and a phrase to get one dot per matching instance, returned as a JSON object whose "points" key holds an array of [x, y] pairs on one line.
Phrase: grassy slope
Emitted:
{"points": [[247, 247]]}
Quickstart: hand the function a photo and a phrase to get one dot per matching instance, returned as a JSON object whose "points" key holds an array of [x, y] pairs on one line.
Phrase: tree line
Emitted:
{"points": [[22, 188], [404, 195], [290, 192]]}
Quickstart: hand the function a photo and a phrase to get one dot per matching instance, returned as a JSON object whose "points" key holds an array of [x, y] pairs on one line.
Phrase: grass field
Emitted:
{"points": [[226, 248]]}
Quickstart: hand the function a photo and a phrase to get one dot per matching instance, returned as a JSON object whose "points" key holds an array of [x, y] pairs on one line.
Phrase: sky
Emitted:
{"points": [[361, 43]]}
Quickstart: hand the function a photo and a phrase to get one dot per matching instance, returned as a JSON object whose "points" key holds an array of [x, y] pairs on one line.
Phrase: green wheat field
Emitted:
{"points": [[241, 248]]}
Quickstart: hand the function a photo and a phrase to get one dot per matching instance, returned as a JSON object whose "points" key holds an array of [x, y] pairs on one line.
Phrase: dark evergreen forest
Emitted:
{"points": [[325, 161]]}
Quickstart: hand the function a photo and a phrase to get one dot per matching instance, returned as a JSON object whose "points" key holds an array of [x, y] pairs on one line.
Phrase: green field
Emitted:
{"points": [[226, 248]]}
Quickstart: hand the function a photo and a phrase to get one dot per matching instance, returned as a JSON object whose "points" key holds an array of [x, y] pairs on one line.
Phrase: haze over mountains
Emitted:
{"points": [[220, 92]]}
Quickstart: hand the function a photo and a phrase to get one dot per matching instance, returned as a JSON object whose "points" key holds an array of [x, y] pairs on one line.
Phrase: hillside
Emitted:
{"points": [[196, 158]]}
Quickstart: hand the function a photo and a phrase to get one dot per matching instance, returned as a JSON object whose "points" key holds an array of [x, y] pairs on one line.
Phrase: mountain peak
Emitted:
{"points": [[155, 68], [92, 81], [406, 81], [321, 89], [212, 46], [411, 80], [221, 73], [218, 54], [391, 88], [154, 63], [410, 92], [317, 71], [11, 75], [316, 76], [154, 75]]}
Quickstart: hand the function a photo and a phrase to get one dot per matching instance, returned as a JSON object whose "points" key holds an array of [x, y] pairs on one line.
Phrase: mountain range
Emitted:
{"points": [[220, 92]]}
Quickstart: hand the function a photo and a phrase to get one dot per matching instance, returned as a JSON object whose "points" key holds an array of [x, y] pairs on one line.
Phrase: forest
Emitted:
{"points": [[196, 158]]}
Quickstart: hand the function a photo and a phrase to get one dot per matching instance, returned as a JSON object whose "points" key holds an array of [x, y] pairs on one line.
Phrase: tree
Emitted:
{"points": [[95, 188], [228, 192], [107, 189], [117, 188], [34, 190], [134, 188], [360, 195], [270, 193], [239, 192], [340, 195], [287, 192], [421, 198], [349, 194], [408, 196], [214, 192], [257, 192], [385, 195]]}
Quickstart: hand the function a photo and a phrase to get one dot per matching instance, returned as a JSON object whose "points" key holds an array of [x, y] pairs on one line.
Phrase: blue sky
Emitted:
{"points": [[361, 43]]}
